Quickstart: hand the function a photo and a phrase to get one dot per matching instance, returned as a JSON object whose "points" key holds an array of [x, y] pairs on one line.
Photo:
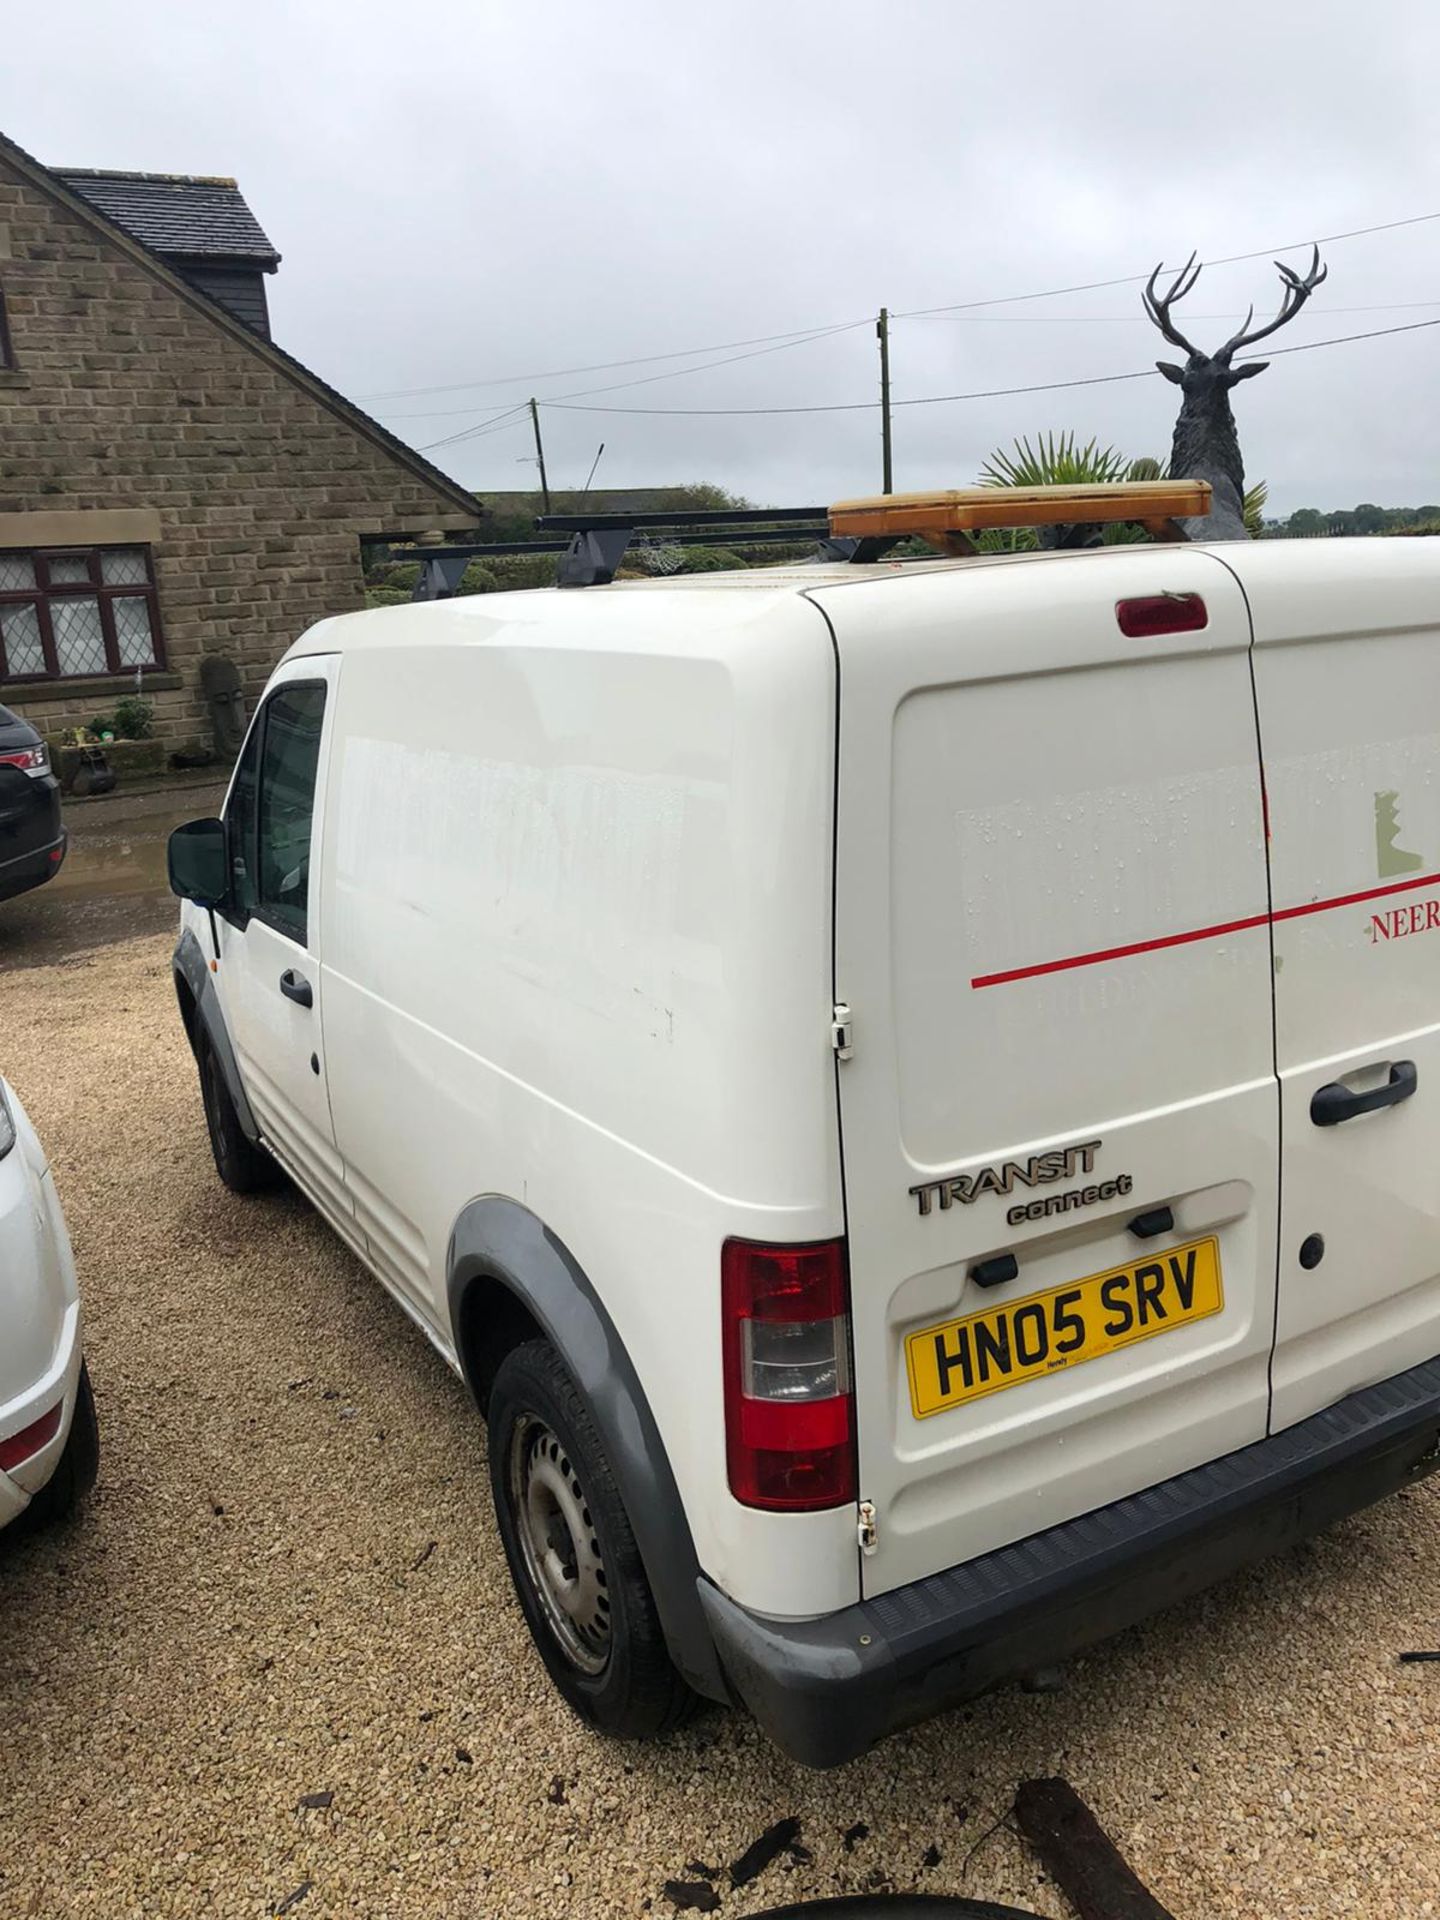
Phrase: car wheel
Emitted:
{"points": [[241, 1165], [77, 1466], [572, 1554]]}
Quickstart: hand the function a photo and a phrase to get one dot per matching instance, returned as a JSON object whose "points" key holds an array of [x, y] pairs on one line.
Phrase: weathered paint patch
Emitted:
{"points": [[1390, 859]]}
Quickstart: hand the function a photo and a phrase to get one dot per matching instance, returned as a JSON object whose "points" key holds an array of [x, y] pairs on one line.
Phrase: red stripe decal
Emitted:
{"points": [[1201, 933], [1351, 899]]}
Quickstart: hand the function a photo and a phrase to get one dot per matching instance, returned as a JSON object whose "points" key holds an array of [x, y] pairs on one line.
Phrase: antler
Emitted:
{"points": [[1297, 292], [1158, 305]]}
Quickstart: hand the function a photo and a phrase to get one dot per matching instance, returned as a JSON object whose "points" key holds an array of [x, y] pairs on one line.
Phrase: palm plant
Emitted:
{"points": [[1059, 461], [1054, 461], [1255, 499]]}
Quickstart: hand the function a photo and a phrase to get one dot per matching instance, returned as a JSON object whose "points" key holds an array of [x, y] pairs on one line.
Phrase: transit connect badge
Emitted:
{"points": [[1040, 1170]]}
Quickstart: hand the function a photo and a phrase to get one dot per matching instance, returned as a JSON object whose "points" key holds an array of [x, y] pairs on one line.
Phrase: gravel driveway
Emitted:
{"points": [[278, 1659]]}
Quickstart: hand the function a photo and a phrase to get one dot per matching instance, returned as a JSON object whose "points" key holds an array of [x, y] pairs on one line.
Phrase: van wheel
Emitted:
{"points": [[572, 1554], [76, 1468], [241, 1165]]}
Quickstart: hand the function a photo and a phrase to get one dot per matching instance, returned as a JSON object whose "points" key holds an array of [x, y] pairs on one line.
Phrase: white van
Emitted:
{"points": [[902, 1087]]}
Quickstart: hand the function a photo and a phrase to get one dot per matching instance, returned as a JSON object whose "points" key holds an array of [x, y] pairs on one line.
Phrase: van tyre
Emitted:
{"points": [[77, 1466], [242, 1166], [572, 1554]]}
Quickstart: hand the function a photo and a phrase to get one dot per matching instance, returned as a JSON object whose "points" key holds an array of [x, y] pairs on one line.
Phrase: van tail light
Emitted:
{"points": [[21, 1446], [1156, 613], [28, 759], [789, 1407]]}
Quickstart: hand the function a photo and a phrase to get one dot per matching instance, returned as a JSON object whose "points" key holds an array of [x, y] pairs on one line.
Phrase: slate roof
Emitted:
{"points": [[48, 180], [182, 216]]}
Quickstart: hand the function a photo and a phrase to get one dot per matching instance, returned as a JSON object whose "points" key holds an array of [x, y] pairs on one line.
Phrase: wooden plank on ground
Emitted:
{"points": [[1084, 1862]]}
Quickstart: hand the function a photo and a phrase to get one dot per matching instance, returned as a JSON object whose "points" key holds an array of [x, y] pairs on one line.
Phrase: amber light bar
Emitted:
{"points": [[1156, 504]]}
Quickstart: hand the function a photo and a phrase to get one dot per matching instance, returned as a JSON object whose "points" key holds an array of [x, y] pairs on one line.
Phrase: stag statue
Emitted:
{"points": [[1205, 446]]}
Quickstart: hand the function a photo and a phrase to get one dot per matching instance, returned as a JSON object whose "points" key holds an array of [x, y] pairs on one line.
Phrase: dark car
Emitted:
{"points": [[32, 840]]}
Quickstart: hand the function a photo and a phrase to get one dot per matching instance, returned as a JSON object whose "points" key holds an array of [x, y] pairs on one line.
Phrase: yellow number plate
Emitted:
{"points": [[1023, 1339]]}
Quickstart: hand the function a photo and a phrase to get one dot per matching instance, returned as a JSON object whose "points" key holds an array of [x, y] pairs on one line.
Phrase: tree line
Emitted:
{"points": [[1316, 523]]}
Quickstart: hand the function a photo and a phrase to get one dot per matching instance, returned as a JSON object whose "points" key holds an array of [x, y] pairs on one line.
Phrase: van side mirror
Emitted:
{"points": [[197, 864]]}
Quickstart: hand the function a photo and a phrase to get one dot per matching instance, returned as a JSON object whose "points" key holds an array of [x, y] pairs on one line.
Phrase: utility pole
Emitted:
{"points": [[882, 330], [540, 456]]}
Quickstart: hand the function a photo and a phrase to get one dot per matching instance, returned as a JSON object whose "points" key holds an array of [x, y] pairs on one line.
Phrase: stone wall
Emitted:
{"points": [[129, 394]]}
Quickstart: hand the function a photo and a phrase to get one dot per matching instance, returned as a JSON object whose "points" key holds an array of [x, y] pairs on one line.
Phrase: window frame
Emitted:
{"points": [[258, 737], [7, 343], [45, 591], [240, 915]]}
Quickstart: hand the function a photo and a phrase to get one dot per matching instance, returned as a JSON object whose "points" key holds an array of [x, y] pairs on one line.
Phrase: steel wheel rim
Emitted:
{"points": [[559, 1545]]}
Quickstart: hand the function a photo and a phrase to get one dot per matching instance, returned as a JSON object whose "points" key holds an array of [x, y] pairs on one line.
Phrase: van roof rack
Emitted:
{"points": [[598, 541], [946, 520], [591, 546]]}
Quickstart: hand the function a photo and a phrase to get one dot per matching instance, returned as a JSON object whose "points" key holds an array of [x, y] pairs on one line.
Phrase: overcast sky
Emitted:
{"points": [[497, 192]]}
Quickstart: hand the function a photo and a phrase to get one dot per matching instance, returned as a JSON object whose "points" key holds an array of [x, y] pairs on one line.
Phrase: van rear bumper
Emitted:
{"points": [[825, 1690]]}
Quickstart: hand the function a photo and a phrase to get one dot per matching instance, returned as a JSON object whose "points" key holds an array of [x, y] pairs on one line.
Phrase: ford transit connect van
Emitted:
{"points": [[909, 1091]]}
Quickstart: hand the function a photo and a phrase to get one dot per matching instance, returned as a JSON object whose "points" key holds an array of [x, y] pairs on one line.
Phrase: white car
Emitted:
{"points": [[905, 1088], [49, 1444]]}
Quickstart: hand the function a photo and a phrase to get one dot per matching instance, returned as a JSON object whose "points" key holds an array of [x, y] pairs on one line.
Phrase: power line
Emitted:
{"points": [[678, 373], [1133, 279], [862, 406], [497, 421], [797, 334], [961, 320], [800, 334], [990, 393], [1339, 339], [1131, 319], [758, 353]]}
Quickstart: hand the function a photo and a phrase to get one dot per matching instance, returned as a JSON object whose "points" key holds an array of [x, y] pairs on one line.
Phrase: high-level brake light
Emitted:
{"points": [[1156, 613]]}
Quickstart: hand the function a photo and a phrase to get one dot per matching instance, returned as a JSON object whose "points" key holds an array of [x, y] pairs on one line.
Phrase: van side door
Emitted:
{"points": [[1347, 677], [269, 974]]}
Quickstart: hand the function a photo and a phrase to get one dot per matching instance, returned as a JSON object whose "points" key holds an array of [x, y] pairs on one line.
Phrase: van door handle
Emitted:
{"points": [[1336, 1102], [296, 987]]}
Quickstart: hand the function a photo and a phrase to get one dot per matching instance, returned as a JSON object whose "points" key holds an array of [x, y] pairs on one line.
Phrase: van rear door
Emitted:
{"points": [[1059, 1119], [1347, 676]]}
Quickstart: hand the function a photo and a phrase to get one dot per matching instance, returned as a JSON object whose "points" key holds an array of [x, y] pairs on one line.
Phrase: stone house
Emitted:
{"points": [[173, 485]]}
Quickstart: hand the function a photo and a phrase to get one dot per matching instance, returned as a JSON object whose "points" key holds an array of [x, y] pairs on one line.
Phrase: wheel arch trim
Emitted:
{"points": [[497, 1242], [192, 973]]}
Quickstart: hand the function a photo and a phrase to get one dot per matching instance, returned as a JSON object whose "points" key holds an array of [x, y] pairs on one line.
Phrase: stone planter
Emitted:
{"points": [[129, 760]]}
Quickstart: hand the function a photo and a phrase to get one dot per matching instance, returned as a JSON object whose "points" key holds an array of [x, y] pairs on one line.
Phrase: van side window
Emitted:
{"points": [[240, 827], [289, 759]]}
